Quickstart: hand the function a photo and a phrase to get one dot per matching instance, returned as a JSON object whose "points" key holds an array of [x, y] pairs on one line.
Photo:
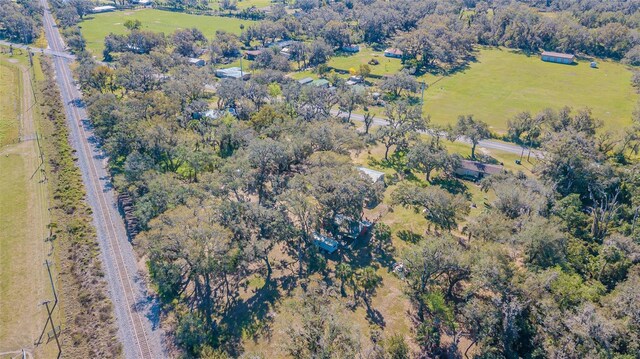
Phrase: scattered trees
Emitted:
{"points": [[471, 129], [427, 157], [438, 206], [216, 192], [398, 83], [404, 120]]}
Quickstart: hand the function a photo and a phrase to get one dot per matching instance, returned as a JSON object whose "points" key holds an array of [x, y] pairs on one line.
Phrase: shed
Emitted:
{"points": [[351, 229], [252, 54], [325, 243], [477, 170], [214, 114], [197, 62], [282, 43], [558, 57], [393, 52], [320, 83], [105, 8], [375, 176], [305, 81], [354, 80], [351, 48], [232, 73]]}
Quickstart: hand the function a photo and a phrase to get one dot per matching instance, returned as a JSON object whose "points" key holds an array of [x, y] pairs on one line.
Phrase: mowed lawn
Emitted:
{"points": [[96, 27], [503, 82], [9, 83], [345, 61]]}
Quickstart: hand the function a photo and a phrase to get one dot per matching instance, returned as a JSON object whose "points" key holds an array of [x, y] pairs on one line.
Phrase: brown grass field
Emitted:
{"points": [[24, 282]]}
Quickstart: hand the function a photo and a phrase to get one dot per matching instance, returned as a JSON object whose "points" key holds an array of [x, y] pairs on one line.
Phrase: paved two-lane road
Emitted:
{"points": [[46, 51], [137, 323], [489, 144]]}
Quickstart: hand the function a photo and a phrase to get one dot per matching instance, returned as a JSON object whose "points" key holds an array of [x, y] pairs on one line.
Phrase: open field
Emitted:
{"points": [[24, 283], [243, 4], [345, 61], [9, 104], [96, 27], [503, 82]]}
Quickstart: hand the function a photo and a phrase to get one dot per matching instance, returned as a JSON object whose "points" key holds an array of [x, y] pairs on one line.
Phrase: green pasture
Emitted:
{"points": [[345, 61], [503, 82], [97, 26]]}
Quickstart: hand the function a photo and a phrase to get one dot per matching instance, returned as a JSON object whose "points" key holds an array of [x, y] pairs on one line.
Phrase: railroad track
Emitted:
{"points": [[134, 326]]}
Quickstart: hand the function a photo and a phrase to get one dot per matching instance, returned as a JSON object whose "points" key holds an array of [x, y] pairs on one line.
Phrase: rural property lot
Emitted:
{"points": [[243, 4], [503, 82], [24, 283], [96, 27], [345, 61]]}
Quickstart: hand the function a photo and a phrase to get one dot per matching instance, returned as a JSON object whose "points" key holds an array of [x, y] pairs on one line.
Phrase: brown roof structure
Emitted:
{"points": [[253, 53], [479, 167], [393, 51]]}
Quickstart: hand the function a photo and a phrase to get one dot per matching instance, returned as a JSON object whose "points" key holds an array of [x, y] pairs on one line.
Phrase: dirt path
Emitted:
{"points": [[24, 282]]}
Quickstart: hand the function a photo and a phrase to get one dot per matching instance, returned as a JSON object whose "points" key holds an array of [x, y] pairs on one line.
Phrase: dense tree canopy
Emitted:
{"points": [[234, 180]]}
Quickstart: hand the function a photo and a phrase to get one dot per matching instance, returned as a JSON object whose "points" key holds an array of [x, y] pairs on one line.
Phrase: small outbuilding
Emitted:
{"points": [[393, 52], [305, 81], [252, 54], [375, 176], [351, 48], [320, 83], [476, 170], [281, 44], [558, 57], [350, 229], [196, 62], [325, 243], [105, 8]]}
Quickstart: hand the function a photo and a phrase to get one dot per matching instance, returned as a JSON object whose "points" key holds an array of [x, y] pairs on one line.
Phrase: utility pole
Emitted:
{"points": [[55, 333], [55, 295], [49, 313]]}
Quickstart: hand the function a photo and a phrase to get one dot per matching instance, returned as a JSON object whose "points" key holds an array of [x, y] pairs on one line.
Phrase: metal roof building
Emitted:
{"points": [[231, 73], [477, 170], [557, 57]]}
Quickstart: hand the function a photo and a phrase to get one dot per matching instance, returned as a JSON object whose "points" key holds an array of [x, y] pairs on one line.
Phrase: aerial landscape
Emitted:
{"points": [[379, 179]]}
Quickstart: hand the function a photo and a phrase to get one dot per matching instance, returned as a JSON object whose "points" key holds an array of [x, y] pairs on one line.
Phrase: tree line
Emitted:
{"points": [[20, 21]]}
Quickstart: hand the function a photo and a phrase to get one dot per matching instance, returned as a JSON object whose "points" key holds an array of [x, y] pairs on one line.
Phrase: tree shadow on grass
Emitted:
{"points": [[397, 163], [409, 237], [451, 185], [363, 253], [252, 318]]}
